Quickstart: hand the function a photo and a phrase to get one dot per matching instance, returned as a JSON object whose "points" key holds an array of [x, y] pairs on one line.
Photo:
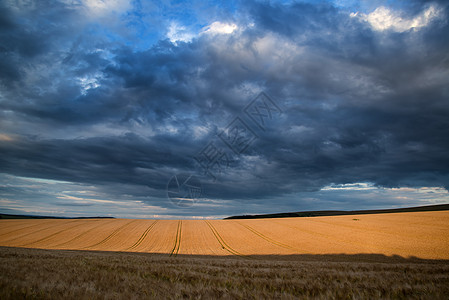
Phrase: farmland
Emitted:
{"points": [[418, 234], [399, 255]]}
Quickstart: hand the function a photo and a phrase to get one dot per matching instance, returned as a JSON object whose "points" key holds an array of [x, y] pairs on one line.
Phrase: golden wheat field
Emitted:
{"points": [[418, 234]]}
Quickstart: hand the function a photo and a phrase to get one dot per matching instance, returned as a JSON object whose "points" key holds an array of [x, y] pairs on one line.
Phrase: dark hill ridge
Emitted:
{"points": [[9, 216], [321, 213]]}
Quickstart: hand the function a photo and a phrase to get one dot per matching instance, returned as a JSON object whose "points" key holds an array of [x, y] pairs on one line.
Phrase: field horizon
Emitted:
{"points": [[305, 213]]}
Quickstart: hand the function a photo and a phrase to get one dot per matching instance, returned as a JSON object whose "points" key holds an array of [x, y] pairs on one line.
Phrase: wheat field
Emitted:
{"points": [[418, 234]]}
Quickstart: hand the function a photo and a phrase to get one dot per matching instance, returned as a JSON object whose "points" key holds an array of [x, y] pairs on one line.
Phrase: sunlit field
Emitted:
{"points": [[419, 234]]}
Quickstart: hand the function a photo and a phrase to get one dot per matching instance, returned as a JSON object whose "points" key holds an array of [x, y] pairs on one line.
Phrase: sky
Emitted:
{"points": [[206, 109]]}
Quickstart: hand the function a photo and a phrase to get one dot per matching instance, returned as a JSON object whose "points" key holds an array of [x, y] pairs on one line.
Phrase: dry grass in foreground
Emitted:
{"points": [[62, 274]]}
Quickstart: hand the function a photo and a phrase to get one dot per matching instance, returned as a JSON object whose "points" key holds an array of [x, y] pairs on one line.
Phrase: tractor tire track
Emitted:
{"points": [[26, 227], [143, 236], [175, 250], [329, 237], [83, 233], [34, 232], [268, 239], [111, 235], [337, 239], [51, 235], [222, 242]]}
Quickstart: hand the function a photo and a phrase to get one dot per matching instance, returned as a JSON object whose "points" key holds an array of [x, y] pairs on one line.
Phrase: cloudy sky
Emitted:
{"points": [[266, 106]]}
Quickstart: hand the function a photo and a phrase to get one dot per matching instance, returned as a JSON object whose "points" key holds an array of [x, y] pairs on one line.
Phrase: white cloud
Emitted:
{"points": [[389, 197], [358, 186], [105, 7], [384, 18], [89, 82], [177, 33], [200, 131], [220, 28]]}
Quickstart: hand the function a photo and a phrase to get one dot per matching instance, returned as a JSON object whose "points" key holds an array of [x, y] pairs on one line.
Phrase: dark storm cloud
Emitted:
{"points": [[359, 105], [96, 160]]}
